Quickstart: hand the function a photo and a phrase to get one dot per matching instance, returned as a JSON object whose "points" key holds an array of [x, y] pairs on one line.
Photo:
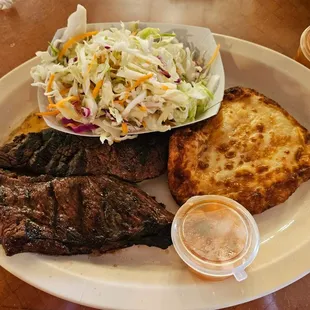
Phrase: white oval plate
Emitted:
{"points": [[150, 278]]}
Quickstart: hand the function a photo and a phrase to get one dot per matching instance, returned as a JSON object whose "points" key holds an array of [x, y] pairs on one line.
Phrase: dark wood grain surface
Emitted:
{"points": [[28, 26]]}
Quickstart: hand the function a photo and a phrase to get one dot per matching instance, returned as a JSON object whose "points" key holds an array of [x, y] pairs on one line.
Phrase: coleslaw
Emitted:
{"points": [[116, 82]]}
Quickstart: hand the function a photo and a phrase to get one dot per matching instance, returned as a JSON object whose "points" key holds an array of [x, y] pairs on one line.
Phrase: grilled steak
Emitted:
{"points": [[252, 151], [78, 215], [59, 154]]}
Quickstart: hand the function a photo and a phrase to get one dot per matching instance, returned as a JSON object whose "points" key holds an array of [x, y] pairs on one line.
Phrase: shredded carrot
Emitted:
{"points": [[136, 84], [73, 40], [91, 63], [124, 128], [97, 88], [52, 106], [102, 58], [164, 87], [49, 113], [134, 33], [61, 102], [144, 124], [64, 91], [140, 81], [214, 55], [49, 87], [70, 125], [123, 100], [142, 108], [126, 96]]}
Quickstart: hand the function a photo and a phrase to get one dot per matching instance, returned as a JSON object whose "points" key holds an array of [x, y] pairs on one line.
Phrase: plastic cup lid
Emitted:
{"points": [[215, 236]]}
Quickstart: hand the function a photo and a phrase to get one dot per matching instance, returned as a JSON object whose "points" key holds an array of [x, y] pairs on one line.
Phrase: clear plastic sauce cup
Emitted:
{"points": [[215, 236]]}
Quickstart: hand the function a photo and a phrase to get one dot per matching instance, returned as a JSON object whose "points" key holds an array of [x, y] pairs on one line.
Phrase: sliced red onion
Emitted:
{"points": [[178, 81], [75, 59], [85, 111], [107, 47], [164, 72]]}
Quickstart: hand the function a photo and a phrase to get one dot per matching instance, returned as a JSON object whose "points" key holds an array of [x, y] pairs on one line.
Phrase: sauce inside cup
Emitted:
{"points": [[215, 236]]}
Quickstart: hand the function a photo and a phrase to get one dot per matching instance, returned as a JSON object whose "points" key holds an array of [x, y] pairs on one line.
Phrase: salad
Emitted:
{"points": [[116, 82]]}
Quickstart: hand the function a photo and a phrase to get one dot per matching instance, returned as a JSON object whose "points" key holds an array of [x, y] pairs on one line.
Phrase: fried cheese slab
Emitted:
{"points": [[252, 151]]}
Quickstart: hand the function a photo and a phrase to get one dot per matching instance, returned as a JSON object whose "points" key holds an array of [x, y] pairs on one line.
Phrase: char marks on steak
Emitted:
{"points": [[78, 215], [59, 154]]}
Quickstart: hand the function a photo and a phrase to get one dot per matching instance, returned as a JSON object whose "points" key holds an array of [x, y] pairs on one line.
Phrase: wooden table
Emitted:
{"points": [[29, 25]]}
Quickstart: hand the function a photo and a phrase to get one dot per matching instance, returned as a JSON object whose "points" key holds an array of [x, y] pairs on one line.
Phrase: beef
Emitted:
{"points": [[78, 215], [60, 154]]}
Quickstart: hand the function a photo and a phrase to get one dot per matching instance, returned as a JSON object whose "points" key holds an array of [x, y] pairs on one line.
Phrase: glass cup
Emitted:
{"points": [[6, 4], [303, 53]]}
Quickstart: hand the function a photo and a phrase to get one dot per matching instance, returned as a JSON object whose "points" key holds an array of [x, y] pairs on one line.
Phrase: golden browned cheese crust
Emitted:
{"points": [[252, 151]]}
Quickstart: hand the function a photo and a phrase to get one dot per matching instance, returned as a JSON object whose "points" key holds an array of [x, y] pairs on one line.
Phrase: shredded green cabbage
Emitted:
{"points": [[125, 80]]}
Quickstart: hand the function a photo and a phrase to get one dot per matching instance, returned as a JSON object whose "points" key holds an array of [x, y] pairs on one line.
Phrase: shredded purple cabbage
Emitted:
{"points": [[86, 111], [108, 115], [164, 72], [83, 128], [76, 127], [66, 121]]}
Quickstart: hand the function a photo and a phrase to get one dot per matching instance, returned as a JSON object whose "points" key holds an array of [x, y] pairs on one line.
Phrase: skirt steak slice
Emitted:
{"points": [[78, 215], [60, 154]]}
